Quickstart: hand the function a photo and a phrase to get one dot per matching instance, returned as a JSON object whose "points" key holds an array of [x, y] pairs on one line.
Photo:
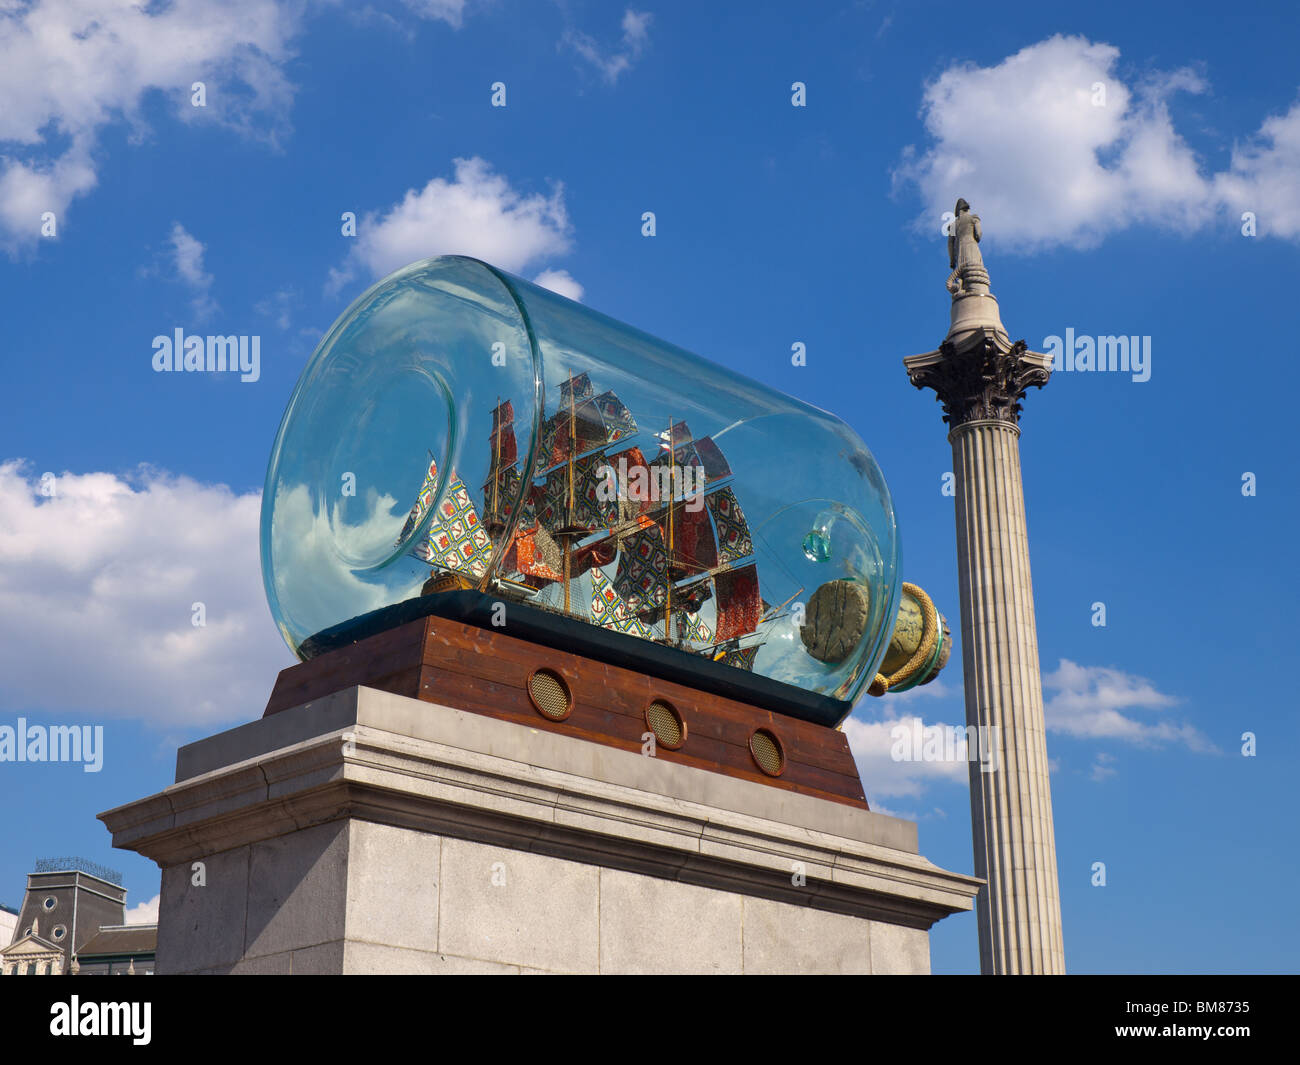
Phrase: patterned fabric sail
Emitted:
{"points": [[428, 491], [456, 539], [502, 485], [633, 473], [504, 450], [590, 511], [617, 419], [678, 435], [734, 541], [535, 556], [710, 457], [594, 422], [692, 629], [740, 657], [695, 548], [702, 454], [499, 505], [692, 596], [739, 604], [678, 441], [575, 390], [609, 610], [576, 432], [642, 575]]}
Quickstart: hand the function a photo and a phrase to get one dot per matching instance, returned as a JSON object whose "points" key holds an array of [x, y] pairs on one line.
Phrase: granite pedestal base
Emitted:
{"points": [[373, 833]]}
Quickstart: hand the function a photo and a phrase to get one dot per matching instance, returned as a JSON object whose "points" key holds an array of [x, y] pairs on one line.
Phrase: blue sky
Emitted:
{"points": [[775, 224]]}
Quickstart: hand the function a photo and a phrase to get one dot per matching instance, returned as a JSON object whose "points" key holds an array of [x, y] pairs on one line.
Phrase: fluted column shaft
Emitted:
{"points": [[1019, 911]]}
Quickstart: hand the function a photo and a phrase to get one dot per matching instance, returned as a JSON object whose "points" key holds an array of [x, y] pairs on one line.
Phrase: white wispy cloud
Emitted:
{"points": [[874, 744], [1103, 767], [69, 69], [610, 63], [1097, 702], [560, 281], [451, 12], [1044, 164], [1083, 702], [1265, 175], [279, 306], [936, 689], [187, 260], [475, 213], [111, 566]]}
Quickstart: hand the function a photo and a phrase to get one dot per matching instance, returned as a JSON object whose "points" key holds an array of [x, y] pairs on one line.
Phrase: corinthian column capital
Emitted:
{"points": [[983, 379]]}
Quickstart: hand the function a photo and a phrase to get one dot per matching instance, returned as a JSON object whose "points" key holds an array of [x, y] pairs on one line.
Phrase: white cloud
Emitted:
{"points": [[97, 586], [1043, 164], [1264, 177], [1086, 702], [451, 12], [560, 281], [279, 307], [68, 69], [1103, 767], [144, 912], [874, 744], [611, 63], [1089, 702], [476, 213], [936, 689], [27, 191], [188, 255], [187, 258]]}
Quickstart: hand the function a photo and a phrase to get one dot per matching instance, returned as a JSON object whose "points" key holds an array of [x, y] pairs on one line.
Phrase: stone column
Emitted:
{"points": [[980, 377]]}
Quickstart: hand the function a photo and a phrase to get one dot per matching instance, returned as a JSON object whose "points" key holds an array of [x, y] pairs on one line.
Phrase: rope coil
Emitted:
{"points": [[927, 652]]}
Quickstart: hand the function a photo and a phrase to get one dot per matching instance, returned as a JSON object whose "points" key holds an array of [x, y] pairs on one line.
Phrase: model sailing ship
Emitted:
{"points": [[670, 525], [650, 551], [601, 579]]}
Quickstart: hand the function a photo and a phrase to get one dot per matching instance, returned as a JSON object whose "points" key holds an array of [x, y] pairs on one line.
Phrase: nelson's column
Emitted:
{"points": [[980, 377]]}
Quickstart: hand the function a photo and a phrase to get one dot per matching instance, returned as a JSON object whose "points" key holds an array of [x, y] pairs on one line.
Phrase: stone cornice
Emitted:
{"points": [[371, 774]]}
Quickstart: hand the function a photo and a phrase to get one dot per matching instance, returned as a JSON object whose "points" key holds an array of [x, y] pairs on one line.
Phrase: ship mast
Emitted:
{"points": [[568, 532], [496, 458], [668, 601], [494, 513]]}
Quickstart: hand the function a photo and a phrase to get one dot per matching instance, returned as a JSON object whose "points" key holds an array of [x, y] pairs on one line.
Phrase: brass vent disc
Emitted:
{"points": [[550, 695], [666, 723], [767, 752]]}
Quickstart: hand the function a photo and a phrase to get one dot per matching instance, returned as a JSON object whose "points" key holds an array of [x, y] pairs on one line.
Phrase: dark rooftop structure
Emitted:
{"points": [[119, 949], [83, 865]]}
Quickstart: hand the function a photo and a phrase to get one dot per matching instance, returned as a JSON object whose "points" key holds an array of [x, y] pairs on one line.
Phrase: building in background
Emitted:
{"points": [[123, 949], [72, 921]]}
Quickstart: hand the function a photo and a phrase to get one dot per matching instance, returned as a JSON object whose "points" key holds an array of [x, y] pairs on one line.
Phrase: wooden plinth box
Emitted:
{"points": [[488, 672]]}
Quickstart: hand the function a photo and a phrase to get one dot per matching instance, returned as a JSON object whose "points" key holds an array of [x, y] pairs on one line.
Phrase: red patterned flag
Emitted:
{"points": [[695, 547]]}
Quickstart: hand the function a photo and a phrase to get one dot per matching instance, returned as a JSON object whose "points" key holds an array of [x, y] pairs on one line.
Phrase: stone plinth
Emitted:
{"points": [[373, 833]]}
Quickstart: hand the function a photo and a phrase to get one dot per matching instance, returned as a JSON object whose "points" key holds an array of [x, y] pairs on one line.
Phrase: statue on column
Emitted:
{"points": [[964, 256]]}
